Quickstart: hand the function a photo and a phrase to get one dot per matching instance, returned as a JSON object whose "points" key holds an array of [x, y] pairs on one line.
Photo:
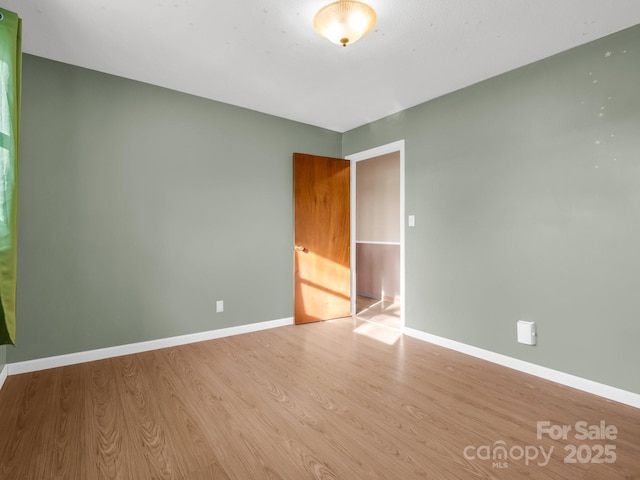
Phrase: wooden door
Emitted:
{"points": [[322, 237]]}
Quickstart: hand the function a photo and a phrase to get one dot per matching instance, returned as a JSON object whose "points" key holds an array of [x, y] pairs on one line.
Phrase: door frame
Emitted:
{"points": [[392, 147]]}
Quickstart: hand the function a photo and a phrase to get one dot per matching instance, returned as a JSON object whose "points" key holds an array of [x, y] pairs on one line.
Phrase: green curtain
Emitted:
{"points": [[10, 73]]}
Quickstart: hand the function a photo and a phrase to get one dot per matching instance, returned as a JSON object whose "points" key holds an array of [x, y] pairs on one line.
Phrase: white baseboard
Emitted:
{"points": [[119, 350], [579, 383], [3, 375]]}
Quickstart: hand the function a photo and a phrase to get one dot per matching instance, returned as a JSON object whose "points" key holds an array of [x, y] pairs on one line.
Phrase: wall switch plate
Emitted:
{"points": [[219, 306], [527, 332], [412, 220]]}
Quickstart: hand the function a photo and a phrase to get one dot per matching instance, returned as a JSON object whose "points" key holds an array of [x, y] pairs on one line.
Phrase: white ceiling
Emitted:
{"points": [[265, 55]]}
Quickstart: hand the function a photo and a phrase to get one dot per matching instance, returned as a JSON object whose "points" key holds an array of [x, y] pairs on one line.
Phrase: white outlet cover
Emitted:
{"points": [[526, 332]]}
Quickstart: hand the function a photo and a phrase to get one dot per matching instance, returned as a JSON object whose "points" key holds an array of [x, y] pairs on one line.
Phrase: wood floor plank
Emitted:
{"points": [[319, 401], [105, 440], [64, 459]]}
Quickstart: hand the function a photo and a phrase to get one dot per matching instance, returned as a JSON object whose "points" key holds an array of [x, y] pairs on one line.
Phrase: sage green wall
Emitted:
{"points": [[526, 192], [3, 356], [140, 207]]}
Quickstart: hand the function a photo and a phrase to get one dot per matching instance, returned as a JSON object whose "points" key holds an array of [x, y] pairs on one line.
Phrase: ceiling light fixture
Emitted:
{"points": [[344, 22]]}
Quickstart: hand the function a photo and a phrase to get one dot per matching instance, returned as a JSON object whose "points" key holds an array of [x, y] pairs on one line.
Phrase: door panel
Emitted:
{"points": [[322, 282]]}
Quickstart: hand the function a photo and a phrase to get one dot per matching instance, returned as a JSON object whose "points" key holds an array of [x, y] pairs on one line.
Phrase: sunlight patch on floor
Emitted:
{"points": [[383, 312], [377, 332]]}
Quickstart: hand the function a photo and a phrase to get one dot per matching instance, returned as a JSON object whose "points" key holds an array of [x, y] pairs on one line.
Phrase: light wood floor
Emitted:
{"points": [[321, 401], [384, 312]]}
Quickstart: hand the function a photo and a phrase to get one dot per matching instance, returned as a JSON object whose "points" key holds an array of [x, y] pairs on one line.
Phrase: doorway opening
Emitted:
{"points": [[377, 235]]}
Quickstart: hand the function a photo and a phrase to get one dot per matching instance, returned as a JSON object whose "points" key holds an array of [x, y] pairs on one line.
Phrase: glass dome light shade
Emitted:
{"points": [[345, 22]]}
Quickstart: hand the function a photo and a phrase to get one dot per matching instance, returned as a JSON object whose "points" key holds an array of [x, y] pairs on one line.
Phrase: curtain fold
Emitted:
{"points": [[10, 73]]}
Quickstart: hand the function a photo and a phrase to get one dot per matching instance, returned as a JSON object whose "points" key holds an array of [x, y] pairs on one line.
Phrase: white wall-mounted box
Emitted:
{"points": [[526, 332]]}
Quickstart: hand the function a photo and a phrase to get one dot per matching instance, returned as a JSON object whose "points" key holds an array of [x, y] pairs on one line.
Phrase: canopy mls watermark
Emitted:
{"points": [[598, 446]]}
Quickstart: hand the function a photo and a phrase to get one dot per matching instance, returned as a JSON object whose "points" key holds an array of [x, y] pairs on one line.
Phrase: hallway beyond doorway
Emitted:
{"points": [[384, 312]]}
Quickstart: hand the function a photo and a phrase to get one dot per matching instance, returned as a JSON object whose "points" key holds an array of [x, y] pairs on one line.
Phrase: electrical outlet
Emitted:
{"points": [[220, 306]]}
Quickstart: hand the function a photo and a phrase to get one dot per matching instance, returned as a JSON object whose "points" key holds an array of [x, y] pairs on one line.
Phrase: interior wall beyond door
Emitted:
{"points": [[378, 227]]}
